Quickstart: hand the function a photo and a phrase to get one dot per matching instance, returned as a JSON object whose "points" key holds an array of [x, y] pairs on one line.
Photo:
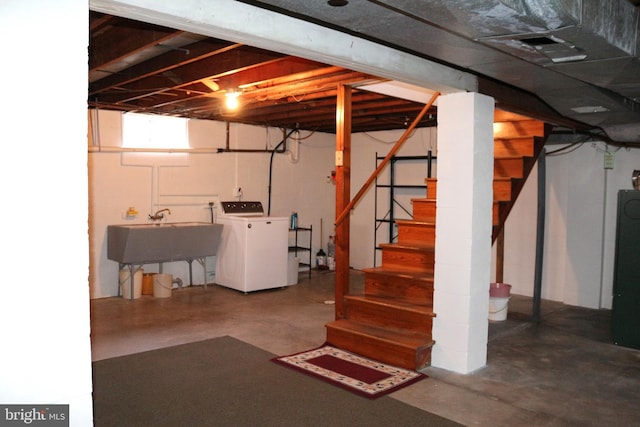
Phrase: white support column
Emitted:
{"points": [[463, 231]]}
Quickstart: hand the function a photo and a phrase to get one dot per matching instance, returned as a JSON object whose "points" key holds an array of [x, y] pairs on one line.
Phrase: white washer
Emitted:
{"points": [[253, 252]]}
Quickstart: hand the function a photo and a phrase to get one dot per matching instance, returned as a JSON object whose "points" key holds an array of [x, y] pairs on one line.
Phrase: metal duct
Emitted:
{"points": [[595, 43], [579, 57]]}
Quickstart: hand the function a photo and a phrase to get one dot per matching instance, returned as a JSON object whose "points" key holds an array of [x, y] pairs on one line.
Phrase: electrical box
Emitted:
{"points": [[609, 159], [625, 315]]}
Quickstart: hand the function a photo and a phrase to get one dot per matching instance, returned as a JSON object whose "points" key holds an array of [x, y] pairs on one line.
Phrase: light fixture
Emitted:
{"points": [[337, 3], [232, 99]]}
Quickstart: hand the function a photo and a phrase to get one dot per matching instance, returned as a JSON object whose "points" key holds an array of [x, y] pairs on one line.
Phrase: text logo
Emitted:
{"points": [[34, 415]]}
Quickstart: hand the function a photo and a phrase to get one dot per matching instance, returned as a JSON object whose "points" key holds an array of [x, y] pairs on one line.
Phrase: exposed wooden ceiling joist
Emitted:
{"points": [[151, 69]]}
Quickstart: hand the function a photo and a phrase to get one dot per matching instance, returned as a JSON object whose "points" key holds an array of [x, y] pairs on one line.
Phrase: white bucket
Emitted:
{"points": [[498, 308], [292, 271], [125, 283], [162, 284]]}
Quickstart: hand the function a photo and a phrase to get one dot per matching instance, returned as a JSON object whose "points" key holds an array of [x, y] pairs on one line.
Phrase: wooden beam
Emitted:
{"points": [[162, 64], [116, 42], [343, 194], [231, 60]]}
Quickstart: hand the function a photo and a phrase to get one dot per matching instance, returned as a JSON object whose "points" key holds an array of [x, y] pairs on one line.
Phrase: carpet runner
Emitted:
{"points": [[357, 374]]}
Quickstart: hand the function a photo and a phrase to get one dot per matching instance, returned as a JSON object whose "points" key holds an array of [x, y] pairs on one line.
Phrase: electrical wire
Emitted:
{"points": [[388, 142], [561, 151]]}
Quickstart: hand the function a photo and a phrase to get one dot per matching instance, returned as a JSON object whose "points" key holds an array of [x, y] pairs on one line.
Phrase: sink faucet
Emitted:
{"points": [[159, 215]]}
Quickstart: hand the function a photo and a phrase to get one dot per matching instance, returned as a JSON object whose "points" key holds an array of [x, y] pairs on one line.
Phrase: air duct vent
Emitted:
{"points": [[538, 41], [555, 48]]}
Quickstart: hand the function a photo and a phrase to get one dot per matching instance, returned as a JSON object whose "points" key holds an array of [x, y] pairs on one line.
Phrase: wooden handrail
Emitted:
{"points": [[386, 160]]}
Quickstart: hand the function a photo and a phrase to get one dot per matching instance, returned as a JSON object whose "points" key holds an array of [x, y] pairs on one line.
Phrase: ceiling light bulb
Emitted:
{"points": [[232, 99]]}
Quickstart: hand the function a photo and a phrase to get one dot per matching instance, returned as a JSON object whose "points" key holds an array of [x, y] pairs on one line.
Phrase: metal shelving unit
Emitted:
{"points": [[396, 209], [298, 245]]}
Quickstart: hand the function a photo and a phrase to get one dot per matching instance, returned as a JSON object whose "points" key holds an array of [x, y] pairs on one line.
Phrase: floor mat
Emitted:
{"points": [[357, 374]]}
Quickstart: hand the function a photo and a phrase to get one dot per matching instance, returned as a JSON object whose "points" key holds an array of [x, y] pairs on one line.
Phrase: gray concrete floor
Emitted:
{"points": [[562, 371]]}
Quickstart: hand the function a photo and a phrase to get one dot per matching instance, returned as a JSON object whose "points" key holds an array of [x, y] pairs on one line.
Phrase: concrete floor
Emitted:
{"points": [[563, 371]]}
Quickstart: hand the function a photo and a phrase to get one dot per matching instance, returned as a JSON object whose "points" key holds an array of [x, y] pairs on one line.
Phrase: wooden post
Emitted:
{"points": [[343, 194]]}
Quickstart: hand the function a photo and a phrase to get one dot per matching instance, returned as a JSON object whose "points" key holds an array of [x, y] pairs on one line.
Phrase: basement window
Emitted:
{"points": [[153, 131]]}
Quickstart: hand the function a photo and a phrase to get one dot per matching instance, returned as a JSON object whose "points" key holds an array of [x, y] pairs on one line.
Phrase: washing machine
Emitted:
{"points": [[253, 251]]}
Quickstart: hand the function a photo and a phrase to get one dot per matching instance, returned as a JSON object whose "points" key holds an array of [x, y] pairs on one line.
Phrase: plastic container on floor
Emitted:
{"points": [[162, 284], [499, 290], [498, 308], [125, 283], [499, 294], [147, 283]]}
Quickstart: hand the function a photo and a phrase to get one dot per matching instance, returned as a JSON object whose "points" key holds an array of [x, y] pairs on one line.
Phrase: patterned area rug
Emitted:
{"points": [[357, 374]]}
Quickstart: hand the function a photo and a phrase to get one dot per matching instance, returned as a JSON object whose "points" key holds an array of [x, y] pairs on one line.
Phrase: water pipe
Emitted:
{"points": [[271, 166]]}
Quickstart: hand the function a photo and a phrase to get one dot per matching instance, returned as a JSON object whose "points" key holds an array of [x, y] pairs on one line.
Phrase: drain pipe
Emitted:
{"points": [[271, 166], [542, 191]]}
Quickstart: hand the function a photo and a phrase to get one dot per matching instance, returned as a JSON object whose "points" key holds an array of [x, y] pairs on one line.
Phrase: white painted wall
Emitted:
{"points": [[185, 183], [574, 270], [44, 308], [580, 226]]}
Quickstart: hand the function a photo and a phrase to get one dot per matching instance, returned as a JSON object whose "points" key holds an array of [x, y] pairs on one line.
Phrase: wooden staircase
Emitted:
{"points": [[391, 320]]}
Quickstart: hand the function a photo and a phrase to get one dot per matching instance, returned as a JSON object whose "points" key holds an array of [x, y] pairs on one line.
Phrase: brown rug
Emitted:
{"points": [[357, 374], [227, 382]]}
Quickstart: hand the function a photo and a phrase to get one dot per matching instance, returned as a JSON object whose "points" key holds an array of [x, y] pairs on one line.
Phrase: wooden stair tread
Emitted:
{"points": [[514, 137], [519, 128], [414, 222], [509, 157], [407, 283], [423, 246], [400, 272], [407, 305], [399, 337]]}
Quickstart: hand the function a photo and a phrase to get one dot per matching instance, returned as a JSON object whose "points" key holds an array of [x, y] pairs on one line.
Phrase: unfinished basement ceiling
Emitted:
{"points": [[572, 63], [145, 68]]}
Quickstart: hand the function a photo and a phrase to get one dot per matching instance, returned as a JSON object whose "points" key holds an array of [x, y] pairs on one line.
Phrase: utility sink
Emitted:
{"points": [[162, 242]]}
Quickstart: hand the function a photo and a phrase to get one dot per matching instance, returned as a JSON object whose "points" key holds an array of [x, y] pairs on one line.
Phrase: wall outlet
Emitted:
{"points": [[609, 159]]}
